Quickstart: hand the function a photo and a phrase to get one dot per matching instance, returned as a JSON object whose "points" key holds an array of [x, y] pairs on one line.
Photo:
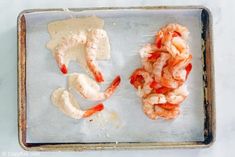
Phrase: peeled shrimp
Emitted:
{"points": [[61, 56], [151, 107], [89, 88], [158, 66], [172, 37], [149, 53], [141, 80], [167, 114], [68, 104], [166, 65], [144, 54], [179, 71], [92, 47], [168, 81], [178, 95]]}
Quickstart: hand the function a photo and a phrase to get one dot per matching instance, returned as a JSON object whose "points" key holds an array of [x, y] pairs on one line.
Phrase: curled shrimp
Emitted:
{"points": [[155, 106], [158, 66], [89, 89], [68, 104], [149, 54], [145, 54], [168, 81], [92, 48], [166, 113], [172, 37], [141, 80], [181, 70], [166, 66], [178, 95], [61, 54]]}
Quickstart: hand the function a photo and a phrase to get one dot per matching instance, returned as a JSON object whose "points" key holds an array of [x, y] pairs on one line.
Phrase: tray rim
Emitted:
{"points": [[209, 98]]}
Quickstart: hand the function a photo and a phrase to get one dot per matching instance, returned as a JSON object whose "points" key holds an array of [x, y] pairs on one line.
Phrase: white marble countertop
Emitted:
{"points": [[224, 35]]}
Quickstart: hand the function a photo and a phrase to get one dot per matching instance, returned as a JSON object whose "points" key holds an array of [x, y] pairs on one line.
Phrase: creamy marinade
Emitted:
{"points": [[67, 32], [63, 30]]}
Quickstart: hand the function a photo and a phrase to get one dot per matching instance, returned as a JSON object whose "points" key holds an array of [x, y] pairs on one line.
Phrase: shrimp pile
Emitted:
{"points": [[166, 64], [83, 84]]}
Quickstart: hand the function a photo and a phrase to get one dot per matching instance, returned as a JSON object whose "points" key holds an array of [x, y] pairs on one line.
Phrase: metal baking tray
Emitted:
{"points": [[207, 88]]}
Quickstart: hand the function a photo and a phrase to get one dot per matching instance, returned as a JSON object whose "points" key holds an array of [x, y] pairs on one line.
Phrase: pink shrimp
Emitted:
{"points": [[96, 35], [172, 37], [168, 81], [145, 53], [179, 71], [141, 80], [155, 106], [158, 66], [149, 54], [178, 95], [68, 104], [89, 88], [165, 113], [61, 55]]}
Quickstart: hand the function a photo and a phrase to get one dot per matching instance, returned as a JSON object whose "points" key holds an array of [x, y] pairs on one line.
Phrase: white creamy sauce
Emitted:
{"points": [[72, 31], [67, 103], [64, 29]]}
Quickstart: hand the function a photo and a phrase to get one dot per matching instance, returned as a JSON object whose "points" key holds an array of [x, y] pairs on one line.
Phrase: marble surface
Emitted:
{"points": [[224, 35]]}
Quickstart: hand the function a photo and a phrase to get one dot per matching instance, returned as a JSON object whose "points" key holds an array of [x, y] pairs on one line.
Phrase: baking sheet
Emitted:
{"points": [[123, 119]]}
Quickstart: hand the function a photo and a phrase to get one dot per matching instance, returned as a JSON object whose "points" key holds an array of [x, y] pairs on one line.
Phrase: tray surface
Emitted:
{"points": [[128, 29]]}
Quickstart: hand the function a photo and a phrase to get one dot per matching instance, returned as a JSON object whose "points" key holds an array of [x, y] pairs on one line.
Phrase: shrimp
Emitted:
{"points": [[178, 95], [92, 48], [152, 107], [166, 113], [179, 71], [89, 89], [68, 104], [141, 80], [172, 37], [145, 53], [149, 110], [149, 54], [168, 81], [61, 56], [158, 66]]}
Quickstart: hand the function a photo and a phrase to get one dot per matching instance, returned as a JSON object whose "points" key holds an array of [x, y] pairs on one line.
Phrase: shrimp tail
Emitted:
{"points": [[188, 69], [63, 69], [93, 110], [112, 87]]}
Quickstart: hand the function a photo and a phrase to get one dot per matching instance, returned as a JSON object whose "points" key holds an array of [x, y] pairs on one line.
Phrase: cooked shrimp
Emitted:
{"points": [[172, 37], [145, 53], [61, 56], [68, 104], [152, 107], [89, 88], [174, 30], [141, 80], [158, 66], [149, 54], [178, 95], [92, 48], [149, 110], [156, 99], [165, 113], [168, 81], [179, 71], [166, 66]]}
